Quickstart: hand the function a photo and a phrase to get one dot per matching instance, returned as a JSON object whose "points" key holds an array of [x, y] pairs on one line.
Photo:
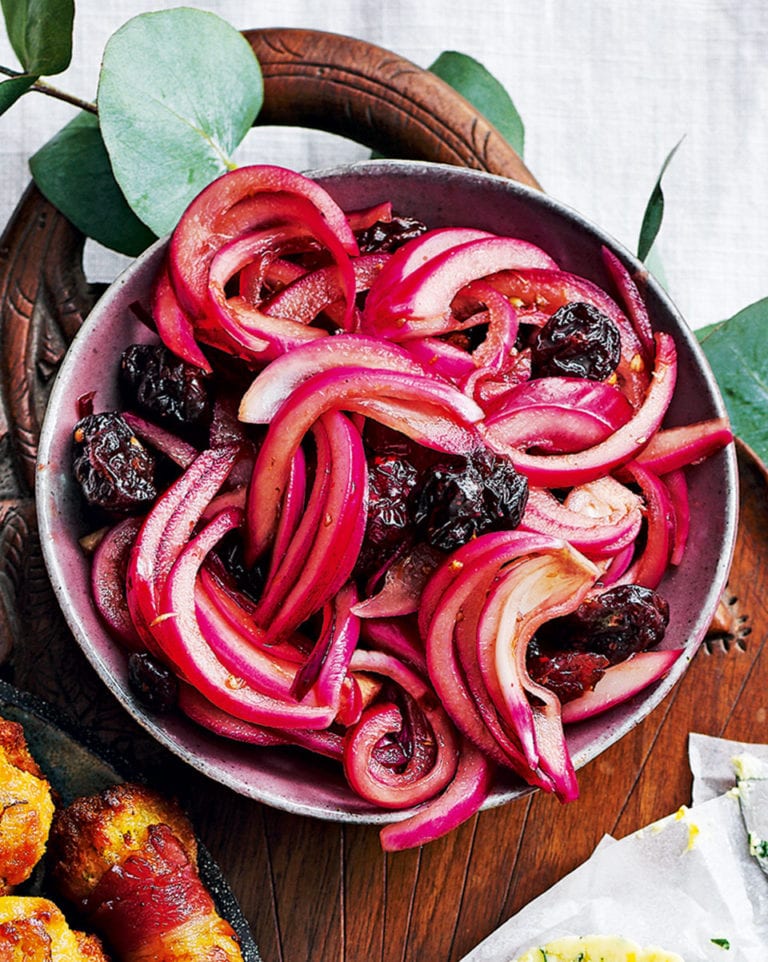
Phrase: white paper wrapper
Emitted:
{"points": [[679, 884]]}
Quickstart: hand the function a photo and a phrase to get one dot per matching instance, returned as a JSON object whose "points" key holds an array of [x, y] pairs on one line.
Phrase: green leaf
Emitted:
{"points": [[484, 92], [178, 91], [736, 351], [72, 170], [40, 32], [654, 210], [12, 89]]}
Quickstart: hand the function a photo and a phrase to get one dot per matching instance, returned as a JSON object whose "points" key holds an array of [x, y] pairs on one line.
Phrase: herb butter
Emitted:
{"points": [[596, 948]]}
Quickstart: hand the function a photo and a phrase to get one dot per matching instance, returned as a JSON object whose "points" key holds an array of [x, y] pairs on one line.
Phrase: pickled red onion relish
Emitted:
{"points": [[409, 499]]}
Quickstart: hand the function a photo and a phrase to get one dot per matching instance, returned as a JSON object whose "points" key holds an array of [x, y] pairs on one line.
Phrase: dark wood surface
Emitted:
{"points": [[311, 889]]}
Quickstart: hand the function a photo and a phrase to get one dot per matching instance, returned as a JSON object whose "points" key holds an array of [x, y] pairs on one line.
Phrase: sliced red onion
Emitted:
{"points": [[611, 522], [672, 448], [621, 682], [326, 667], [404, 582], [441, 358], [339, 536], [165, 531], [430, 765], [287, 563], [162, 440], [368, 216], [396, 636], [527, 594], [559, 414], [417, 252], [649, 568], [208, 716], [180, 639], [633, 301], [275, 384], [677, 487], [222, 211], [566, 470], [108, 571], [312, 293], [420, 303], [174, 326], [448, 414], [462, 799]]}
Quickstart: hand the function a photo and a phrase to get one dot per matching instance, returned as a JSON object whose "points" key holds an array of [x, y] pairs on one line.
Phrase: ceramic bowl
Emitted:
{"points": [[439, 195]]}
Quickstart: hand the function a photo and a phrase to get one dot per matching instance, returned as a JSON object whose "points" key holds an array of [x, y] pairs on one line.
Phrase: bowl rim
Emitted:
{"points": [[177, 738]]}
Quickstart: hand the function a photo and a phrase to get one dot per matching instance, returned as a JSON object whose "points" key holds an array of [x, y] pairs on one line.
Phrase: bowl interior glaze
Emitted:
{"points": [[440, 196]]}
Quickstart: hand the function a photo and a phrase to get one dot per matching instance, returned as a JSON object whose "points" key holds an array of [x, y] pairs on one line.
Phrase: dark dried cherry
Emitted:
{"points": [[566, 673], [162, 386], [153, 684], [386, 236], [617, 623], [113, 468], [468, 497], [578, 340], [391, 480]]}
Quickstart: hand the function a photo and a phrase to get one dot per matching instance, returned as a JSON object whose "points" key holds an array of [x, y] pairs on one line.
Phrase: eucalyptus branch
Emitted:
{"points": [[50, 91], [42, 87]]}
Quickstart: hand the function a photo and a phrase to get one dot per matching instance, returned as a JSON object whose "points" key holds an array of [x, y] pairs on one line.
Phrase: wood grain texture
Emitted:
{"points": [[317, 890], [372, 96]]}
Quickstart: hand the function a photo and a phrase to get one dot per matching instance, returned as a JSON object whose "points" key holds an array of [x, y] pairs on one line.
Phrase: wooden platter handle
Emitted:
{"points": [[357, 90], [311, 79]]}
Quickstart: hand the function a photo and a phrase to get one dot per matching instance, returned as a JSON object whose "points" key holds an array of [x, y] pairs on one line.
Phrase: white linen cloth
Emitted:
{"points": [[605, 90]]}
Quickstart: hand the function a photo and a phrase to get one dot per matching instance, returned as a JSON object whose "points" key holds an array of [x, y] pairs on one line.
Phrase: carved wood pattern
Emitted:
{"points": [[314, 890]]}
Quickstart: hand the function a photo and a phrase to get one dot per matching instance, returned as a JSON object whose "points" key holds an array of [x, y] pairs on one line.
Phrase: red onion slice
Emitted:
{"points": [[429, 767], [566, 470], [559, 414], [462, 798], [375, 393], [420, 303], [621, 682], [108, 571], [275, 384], [179, 637], [214, 217]]}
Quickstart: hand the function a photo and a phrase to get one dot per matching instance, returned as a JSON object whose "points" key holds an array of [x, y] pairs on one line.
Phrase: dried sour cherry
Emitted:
{"points": [[153, 684], [385, 236], [113, 468], [617, 623], [578, 340], [391, 481], [462, 499], [566, 673], [163, 386]]}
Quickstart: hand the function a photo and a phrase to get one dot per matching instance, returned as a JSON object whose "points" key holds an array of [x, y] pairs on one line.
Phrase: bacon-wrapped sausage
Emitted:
{"points": [[127, 858]]}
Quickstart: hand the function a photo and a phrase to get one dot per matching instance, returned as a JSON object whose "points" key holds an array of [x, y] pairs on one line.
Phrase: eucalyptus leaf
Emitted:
{"points": [[475, 83], [40, 32], [12, 89], [178, 91], [654, 210], [736, 351], [73, 171]]}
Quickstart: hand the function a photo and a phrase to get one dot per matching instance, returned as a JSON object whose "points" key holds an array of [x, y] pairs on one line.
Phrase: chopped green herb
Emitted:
{"points": [[723, 943]]}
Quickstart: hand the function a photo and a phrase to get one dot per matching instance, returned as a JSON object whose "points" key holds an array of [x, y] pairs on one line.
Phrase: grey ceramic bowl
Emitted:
{"points": [[439, 195]]}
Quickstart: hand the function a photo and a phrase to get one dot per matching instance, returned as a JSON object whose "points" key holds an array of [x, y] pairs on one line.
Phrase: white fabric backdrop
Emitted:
{"points": [[605, 89]]}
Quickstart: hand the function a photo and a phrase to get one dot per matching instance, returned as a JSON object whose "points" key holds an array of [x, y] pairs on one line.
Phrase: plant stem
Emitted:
{"points": [[42, 87], [45, 88]]}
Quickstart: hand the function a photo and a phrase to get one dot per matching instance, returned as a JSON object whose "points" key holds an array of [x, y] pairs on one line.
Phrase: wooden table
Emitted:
{"points": [[311, 889]]}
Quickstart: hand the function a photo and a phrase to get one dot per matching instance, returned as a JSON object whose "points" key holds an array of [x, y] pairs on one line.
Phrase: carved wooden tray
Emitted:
{"points": [[321, 890]]}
